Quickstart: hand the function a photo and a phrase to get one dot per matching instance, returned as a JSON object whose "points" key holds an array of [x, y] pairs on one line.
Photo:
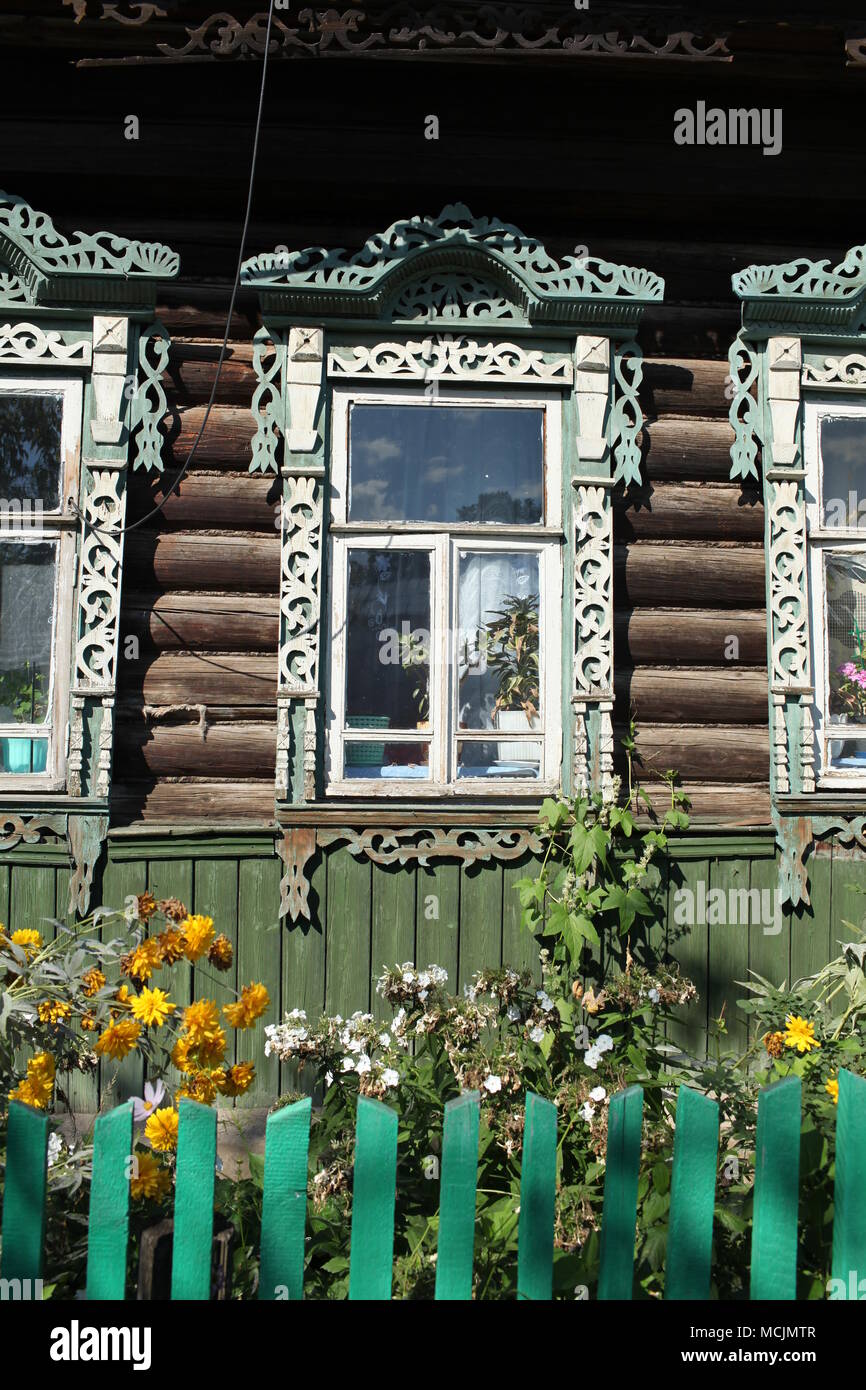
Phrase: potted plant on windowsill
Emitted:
{"points": [[23, 692], [512, 655]]}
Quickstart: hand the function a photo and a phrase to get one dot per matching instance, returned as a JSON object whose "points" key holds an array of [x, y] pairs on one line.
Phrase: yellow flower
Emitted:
{"points": [[251, 1005], [171, 945], [42, 1065], [29, 939], [53, 1011], [211, 1052], [88, 1023], [150, 1179], [92, 981], [119, 1038], [201, 1087], [201, 1022], [180, 1055], [221, 953], [237, 1079], [36, 1089], [122, 995], [774, 1043], [152, 1007], [800, 1034], [145, 906], [832, 1089], [197, 935], [141, 963], [173, 908], [161, 1129]]}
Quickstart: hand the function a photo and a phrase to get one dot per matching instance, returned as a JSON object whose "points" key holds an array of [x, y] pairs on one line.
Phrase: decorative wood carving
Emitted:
{"points": [[788, 602], [592, 392], [296, 848], [462, 359], [780, 745], [99, 584], [411, 845], [303, 388], [837, 372], [626, 414], [16, 829], [784, 359], [86, 836], [458, 295], [109, 371], [593, 593], [149, 405], [269, 400], [299, 589], [743, 414], [26, 344]]}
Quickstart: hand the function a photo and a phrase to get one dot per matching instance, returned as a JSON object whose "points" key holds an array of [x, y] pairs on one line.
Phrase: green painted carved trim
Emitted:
{"points": [[850, 831], [17, 829], [319, 281], [269, 399], [46, 266], [804, 291], [149, 401], [744, 415], [794, 835], [453, 295], [87, 836], [626, 417]]}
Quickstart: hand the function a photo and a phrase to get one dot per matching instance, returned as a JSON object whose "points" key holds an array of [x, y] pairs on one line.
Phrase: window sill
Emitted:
{"points": [[825, 801]]}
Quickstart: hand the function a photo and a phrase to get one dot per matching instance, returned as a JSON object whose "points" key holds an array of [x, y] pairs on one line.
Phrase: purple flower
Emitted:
{"points": [[153, 1094]]}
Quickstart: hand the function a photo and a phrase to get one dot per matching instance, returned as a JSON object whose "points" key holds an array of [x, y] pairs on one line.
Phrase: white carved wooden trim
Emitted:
{"points": [[74, 766], [109, 372], [789, 616], [459, 358], [100, 569], [284, 733], [780, 745], [593, 593], [303, 386], [301, 553], [838, 373], [605, 749], [784, 361], [807, 746], [592, 392], [27, 344]]}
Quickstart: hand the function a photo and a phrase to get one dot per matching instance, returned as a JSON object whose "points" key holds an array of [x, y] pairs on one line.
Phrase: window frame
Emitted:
{"points": [[59, 526], [445, 541]]}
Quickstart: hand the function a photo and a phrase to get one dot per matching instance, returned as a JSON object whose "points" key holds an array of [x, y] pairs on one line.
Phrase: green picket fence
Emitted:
{"points": [[693, 1183]]}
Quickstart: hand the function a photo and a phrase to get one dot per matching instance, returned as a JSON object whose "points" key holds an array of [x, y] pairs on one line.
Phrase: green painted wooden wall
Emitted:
{"points": [[462, 917]]}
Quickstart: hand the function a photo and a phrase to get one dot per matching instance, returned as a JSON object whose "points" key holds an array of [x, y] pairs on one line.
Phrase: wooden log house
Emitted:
{"points": [[555, 344]]}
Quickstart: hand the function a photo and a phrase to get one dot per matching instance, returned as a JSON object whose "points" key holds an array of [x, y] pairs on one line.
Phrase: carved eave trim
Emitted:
{"points": [[320, 283], [804, 293], [47, 268]]}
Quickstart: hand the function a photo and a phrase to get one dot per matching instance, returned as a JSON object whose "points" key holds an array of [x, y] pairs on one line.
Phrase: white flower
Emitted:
{"points": [[493, 1084], [348, 1064], [363, 1065], [592, 1057], [536, 1034], [604, 1042], [513, 1013], [544, 1000], [654, 995], [390, 1077], [384, 1039], [587, 1111], [143, 1108], [422, 994], [55, 1147], [329, 1077], [399, 1021], [408, 977], [438, 974], [597, 1093]]}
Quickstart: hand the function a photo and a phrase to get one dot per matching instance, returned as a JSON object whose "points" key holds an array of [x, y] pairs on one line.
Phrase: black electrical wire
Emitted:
{"points": [[119, 531]]}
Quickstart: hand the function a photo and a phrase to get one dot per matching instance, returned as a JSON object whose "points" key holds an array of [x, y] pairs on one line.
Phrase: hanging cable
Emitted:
{"points": [[121, 530]]}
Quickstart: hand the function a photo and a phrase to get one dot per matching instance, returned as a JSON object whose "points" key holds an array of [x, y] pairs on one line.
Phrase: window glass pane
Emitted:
{"points": [[24, 755], [388, 639], [497, 641], [843, 459], [30, 459], [26, 625], [403, 760], [446, 463], [846, 658], [500, 758]]}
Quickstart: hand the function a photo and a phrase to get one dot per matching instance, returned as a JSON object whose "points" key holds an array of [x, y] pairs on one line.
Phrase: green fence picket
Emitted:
{"points": [[457, 1191], [373, 1193], [693, 1195], [193, 1202], [777, 1173], [108, 1222], [24, 1193], [284, 1202], [849, 1196], [619, 1212], [537, 1201]]}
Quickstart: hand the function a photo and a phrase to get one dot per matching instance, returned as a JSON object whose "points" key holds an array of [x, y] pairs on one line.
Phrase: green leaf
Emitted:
{"points": [[661, 1177], [257, 1169]]}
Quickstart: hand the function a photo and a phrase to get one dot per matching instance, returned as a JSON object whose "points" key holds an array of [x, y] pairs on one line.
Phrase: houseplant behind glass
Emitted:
{"points": [[23, 692], [512, 656]]}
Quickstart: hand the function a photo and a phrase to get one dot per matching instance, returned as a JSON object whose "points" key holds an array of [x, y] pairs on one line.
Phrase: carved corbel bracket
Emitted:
{"points": [[86, 836], [303, 387], [626, 414], [592, 392], [110, 343]]}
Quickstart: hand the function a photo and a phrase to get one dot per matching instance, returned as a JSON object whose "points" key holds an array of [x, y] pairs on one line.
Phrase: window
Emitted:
{"points": [[39, 442], [447, 589]]}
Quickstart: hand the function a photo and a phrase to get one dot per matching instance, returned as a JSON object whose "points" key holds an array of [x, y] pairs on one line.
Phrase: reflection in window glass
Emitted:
{"points": [[500, 758], [27, 583], [446, 463], [498, 672], [386, 760], [388, 639], [843, 472], [30, 459]]}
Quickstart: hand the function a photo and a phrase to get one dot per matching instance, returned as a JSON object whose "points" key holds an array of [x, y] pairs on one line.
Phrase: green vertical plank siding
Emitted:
{"points": [[108, 1222], [480, 919], [215, 894], [82, 1088], [24, 1193], [693, 1194], [729, 946], [4, 895], [769, 951], [457, 1194], [303, 974], [519, 947], [284, 1202], [811, 928], [849, 894], [849, 1199], [437, 916], [193, 1202], [393, 926], [120, 1080], [347, 947], [619, 1213], [373, 1194], [260, 945], [33, 898], [777, 1172], [689, 946], [537, 1201]]}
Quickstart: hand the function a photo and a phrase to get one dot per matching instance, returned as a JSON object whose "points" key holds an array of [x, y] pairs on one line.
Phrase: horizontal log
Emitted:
{"points": [[680, 447], [698, 638], [194, 801], [221, 502], [225, 442], [192, 370], [718, 754], [718, 804], [203, 621], [684, 386], [206, 679], [244, 751], [707, 511], [233, 563], [688, 576], [683, 695]]}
